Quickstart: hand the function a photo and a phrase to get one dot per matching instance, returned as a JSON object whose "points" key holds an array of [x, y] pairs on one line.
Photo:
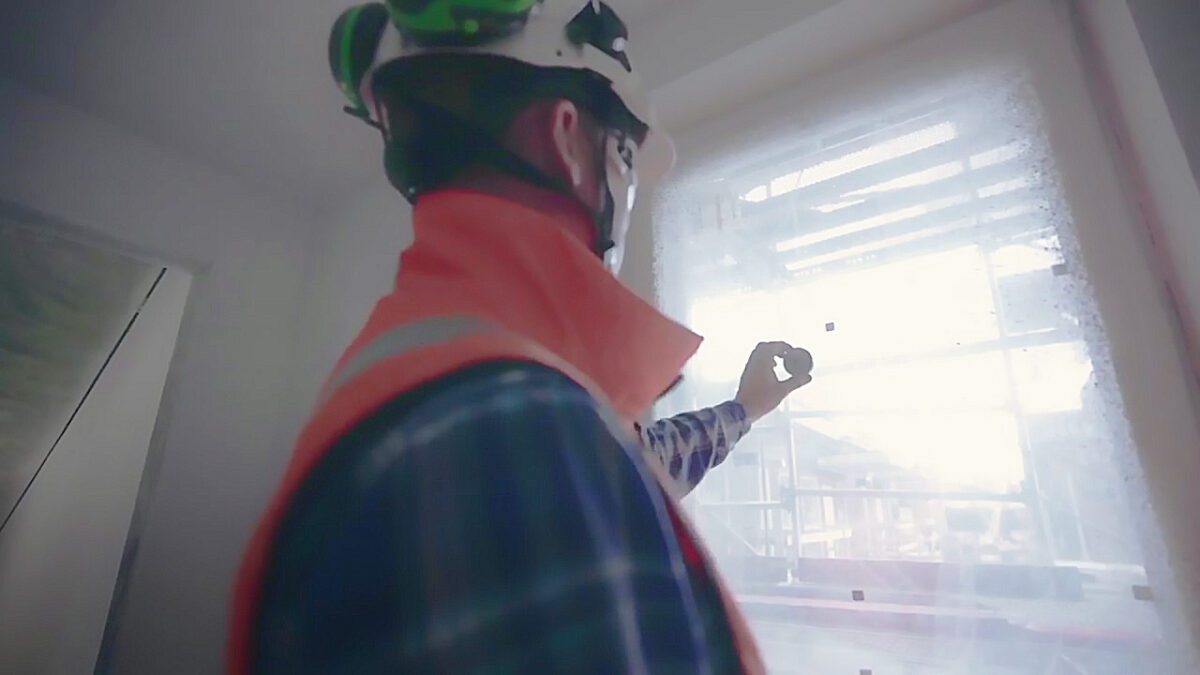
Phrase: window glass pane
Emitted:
{"points": [[943, 498]]}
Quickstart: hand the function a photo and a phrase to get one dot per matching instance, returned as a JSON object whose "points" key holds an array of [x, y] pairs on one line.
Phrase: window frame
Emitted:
{"points": [[1149, 358]]}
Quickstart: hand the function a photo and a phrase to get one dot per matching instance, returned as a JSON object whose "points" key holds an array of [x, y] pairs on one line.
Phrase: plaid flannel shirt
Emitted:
{"points": [[496, 523], [688, 446]]}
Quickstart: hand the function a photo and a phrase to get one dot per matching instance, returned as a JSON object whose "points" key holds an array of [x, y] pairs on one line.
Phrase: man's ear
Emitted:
{"points": [[568, 143]]}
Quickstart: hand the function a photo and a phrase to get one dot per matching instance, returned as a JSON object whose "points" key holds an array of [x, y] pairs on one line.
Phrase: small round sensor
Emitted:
{"points": [[798, 362]]}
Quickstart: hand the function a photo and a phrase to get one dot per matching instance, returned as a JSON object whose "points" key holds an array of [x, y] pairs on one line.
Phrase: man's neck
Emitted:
{"points": [[576, 219]]}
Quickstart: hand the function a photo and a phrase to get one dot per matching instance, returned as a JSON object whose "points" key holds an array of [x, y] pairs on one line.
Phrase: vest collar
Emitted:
{"points": [[518, 267]]}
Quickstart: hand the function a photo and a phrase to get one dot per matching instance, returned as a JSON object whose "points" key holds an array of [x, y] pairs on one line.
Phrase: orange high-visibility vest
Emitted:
{"points": [[485, 280]]}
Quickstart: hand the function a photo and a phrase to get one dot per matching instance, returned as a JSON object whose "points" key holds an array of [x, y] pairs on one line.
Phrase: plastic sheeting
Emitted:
{"points": [[953, 493]]}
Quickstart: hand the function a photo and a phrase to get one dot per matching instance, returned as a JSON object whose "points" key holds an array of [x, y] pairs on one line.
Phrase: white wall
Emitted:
{"points": [[1152, 148], [691, 35], [1168, 29], [353, 263], [60, 552], [228, 415], [1158, 181], [757, 49]]}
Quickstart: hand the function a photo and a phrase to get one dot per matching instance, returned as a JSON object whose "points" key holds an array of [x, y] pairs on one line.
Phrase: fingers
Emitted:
{"points": [[775, 348], [793, 383]]}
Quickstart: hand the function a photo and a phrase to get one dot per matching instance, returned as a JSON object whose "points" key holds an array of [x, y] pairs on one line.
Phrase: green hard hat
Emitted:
{"points": [[564, 35], [448, 22], [427, 23], [476, 59], [352, 48]]}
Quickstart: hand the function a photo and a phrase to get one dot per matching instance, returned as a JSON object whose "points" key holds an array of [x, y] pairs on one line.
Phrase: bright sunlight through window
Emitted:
{"points": [[943, 497]]}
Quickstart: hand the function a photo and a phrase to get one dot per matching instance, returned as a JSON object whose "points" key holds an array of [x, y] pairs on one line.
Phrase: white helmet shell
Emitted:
{"points": [[544, 42]]}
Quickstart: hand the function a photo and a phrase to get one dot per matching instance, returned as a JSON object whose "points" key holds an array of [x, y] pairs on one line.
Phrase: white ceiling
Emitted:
{"points": [[240, 85]]}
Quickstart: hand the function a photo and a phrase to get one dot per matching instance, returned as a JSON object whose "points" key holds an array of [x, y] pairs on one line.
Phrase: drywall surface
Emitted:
{"points": [[60, 552], [353, 263], [1154, 147], [1170, 31], [691, 35], [1157, 178], [228, 414], [799, 40]]}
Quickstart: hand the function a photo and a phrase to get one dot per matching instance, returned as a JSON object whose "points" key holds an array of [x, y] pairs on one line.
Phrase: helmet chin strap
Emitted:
{"points": [[610, 221]]}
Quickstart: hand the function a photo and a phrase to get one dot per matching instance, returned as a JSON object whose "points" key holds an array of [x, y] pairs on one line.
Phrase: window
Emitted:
{"points": [[947, 496], [63, 306]]}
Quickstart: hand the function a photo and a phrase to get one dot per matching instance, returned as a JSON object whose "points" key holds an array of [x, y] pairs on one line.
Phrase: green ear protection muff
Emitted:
{"points": [[352, 45]]}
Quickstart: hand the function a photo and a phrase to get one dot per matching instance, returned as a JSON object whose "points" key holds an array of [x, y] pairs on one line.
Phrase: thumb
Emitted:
{"points": [[793, 383]]}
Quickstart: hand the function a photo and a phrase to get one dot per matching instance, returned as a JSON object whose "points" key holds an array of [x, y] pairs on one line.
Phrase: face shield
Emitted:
{"points": [[622, 181]]}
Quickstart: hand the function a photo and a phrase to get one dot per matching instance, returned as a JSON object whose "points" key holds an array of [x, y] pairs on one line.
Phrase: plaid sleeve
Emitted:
{"points": [[688, 446], [505, 530]]}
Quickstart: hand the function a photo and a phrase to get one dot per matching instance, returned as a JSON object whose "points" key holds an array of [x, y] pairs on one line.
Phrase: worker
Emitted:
{"points": [[469, 495]]}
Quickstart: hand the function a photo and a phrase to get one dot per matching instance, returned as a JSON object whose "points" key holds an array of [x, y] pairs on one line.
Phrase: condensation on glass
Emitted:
{"points": [[954, 492]]}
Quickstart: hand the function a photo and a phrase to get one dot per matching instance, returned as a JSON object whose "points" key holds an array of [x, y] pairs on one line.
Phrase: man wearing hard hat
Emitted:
{"points": [[470, 495]]}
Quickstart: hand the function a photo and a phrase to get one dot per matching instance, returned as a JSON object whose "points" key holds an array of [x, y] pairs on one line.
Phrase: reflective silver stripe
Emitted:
{"points": [[405, 338]]}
